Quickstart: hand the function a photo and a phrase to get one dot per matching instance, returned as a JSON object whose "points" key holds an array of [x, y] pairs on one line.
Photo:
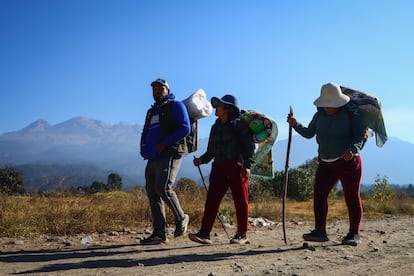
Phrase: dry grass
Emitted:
{"points": [[66, 215], [29, 216]]}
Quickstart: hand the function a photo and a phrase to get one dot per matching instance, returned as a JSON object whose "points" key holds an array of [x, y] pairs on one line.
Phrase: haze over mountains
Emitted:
{"points": [[93, 149]]}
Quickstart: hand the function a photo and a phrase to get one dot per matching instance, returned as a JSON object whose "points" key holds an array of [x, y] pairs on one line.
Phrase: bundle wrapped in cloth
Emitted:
{"points": [[264, 132], [369, 107], [197, 105]]}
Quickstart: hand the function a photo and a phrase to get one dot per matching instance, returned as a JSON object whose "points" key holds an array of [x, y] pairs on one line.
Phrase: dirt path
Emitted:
{"points": [[387, 249]]}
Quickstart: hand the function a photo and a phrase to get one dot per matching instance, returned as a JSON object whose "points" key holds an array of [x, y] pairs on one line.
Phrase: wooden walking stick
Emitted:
{"points": [[286, 179]]}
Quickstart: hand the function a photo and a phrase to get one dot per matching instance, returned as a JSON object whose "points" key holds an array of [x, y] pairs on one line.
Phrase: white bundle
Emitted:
{"points": [[197, 105]]}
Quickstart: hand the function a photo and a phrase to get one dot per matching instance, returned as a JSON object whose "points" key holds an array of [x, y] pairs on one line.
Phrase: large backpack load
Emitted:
{"points": [[264, 132], [369, 107], [263, 129], [197, 107]]}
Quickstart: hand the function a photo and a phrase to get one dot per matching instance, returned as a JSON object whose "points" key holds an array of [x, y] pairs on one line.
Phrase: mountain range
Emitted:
{"points": [[50, 155]]}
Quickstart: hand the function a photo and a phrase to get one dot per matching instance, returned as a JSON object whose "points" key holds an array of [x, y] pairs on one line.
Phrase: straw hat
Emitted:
{"points": [[331, 96]]}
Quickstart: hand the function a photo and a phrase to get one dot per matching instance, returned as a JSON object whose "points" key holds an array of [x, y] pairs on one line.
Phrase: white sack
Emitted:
{"points": [[197, 105]]}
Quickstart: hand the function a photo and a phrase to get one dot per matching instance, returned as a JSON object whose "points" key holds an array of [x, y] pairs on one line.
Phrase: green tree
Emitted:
{"points": [[97, 187], [300, 185], [301, 179], [311, 164], [114, 182], [187, 186], [278, 183], [410, 190], [381, 191], [261, 188], [11, 181]]}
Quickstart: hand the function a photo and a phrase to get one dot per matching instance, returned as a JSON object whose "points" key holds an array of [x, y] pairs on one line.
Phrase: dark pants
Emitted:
{"points": [[160, 176], [224, 175], [327, 175]]}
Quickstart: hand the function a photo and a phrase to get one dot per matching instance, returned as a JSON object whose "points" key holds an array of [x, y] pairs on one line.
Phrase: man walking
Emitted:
{"points": [[162, 144]]}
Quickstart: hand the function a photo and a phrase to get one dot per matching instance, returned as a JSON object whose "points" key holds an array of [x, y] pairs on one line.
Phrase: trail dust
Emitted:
{"points": [[387, 248]]}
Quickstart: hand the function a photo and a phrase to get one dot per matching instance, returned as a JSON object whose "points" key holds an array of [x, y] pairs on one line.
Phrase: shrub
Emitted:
{"points": [[11, 181], [381, 191]]}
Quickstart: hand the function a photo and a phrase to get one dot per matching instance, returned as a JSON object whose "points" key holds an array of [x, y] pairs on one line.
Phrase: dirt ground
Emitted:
{"points": [[387, 248]]}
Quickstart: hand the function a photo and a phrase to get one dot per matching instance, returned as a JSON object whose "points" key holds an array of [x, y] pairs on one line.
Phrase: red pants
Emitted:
{"points": [[224, 175], [327, 175]]}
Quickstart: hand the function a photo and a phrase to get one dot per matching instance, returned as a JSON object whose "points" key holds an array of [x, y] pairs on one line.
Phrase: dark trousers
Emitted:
{"points": [[160, 177], [327, 175], [224, 175]]}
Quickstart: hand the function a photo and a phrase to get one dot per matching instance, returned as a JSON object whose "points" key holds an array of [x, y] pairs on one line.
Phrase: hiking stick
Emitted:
{"points": [[286, 178], [205, 186]]}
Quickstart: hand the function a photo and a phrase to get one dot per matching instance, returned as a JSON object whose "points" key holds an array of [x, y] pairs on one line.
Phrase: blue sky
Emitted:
{"points": [[96, 58]]}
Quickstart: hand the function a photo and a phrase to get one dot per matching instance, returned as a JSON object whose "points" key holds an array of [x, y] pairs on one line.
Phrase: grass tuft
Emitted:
{"points": [[62, 214]]}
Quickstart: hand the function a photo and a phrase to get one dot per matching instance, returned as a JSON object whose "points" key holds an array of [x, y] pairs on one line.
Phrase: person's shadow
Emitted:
{"points": [[42, 256]]}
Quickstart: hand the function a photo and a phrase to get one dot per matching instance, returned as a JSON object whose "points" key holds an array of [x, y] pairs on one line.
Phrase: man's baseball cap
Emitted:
{"points": [[162, 82]]}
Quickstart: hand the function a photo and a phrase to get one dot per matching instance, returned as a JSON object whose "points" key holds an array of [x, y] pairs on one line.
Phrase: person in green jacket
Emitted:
{"points": [[340, 137]]}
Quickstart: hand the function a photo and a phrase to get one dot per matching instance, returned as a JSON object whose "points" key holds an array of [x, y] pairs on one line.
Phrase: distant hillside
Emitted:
{"points": [[84, 150], [91, 148], [47, 177]]}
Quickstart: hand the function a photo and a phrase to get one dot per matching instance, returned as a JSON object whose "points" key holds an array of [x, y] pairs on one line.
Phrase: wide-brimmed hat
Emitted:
{"points": [[227, 100], [331, 96], [162, 82]]}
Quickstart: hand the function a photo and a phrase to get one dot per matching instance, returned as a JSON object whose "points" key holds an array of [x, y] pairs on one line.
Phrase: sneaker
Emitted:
{"points": [[200, 237], [316, 235], [154, 239], [181, 226], [240, 239], [351, 239]]}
